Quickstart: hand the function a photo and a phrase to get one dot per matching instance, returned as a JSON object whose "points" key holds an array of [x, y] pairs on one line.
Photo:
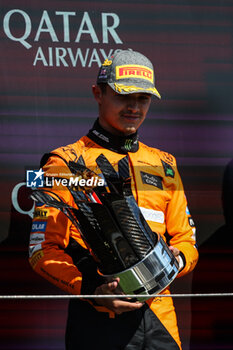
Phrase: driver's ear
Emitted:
{"points": [[97, 93]]}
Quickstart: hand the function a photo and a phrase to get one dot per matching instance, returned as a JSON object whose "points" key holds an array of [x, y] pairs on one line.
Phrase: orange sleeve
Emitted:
{"points": [[180, 227], [49, 237]]}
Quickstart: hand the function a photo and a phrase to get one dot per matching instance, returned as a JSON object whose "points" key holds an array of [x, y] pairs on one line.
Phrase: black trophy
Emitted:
{"points": [[113, 226]]}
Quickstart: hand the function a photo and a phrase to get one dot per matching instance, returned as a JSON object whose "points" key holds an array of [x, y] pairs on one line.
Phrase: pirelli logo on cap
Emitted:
{"points": [[134, 71]]}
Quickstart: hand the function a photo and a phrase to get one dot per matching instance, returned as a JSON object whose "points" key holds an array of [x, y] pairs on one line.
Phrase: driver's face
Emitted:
{"points": [[121, 114]]}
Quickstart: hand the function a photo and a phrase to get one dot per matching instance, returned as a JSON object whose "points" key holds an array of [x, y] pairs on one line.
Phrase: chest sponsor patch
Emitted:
{"points": [[38, 226], [153, 215], [150, 179]]}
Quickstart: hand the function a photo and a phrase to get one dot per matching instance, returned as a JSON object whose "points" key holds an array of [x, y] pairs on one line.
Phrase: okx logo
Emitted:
{"points": [[34, 178]]}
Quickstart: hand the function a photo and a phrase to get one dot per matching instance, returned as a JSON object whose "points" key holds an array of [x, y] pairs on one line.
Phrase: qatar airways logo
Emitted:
{"points": [[61, 28]]}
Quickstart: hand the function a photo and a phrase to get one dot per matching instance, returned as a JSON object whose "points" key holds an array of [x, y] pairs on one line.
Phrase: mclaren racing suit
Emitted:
{"points": [[59, 254]]}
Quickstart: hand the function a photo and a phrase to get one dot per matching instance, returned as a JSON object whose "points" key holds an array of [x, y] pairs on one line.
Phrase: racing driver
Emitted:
{"points": [[124, 89]]}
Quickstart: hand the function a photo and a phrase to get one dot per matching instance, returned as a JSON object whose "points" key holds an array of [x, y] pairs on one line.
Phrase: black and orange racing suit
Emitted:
{"points": [[59, 254]]}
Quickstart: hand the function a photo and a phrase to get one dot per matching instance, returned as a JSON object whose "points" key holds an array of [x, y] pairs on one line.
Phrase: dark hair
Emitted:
{"points": [[103, 87]]}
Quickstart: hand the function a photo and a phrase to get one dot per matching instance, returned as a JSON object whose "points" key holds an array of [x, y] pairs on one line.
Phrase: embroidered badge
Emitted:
{"points": [[168, 170], [151, 179], [128, 144]]}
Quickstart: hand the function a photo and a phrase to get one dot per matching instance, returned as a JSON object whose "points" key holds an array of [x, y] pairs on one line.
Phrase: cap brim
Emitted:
{"points": [[132, 89]]}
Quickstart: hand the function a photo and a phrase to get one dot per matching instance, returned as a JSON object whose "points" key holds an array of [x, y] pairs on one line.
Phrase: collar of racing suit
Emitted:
{"points": [[119, 144]]}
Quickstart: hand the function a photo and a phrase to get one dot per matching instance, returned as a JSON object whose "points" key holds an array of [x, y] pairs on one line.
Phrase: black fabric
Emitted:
{"points": [[134, 330], [85, 263], [118, 144]]}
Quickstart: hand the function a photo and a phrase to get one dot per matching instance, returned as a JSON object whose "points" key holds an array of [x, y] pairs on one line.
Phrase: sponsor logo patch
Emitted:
{"points": [[153, 215], [128, 144], [168, 170], [41, 213], [34, 248], [151, 179], [36, 257], [134, 71], [38, 226], [36, 238]]}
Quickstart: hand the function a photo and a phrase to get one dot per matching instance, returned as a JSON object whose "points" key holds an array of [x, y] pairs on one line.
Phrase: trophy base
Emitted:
{"points": [[150, 276]]}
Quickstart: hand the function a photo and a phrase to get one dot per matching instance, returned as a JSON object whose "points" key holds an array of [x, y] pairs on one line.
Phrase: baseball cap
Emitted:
{"points": [[128, 72]]}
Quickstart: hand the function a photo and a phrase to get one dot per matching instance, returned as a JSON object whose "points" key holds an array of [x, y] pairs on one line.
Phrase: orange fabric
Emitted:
{"points": [[167, 208], [165, 311]]}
